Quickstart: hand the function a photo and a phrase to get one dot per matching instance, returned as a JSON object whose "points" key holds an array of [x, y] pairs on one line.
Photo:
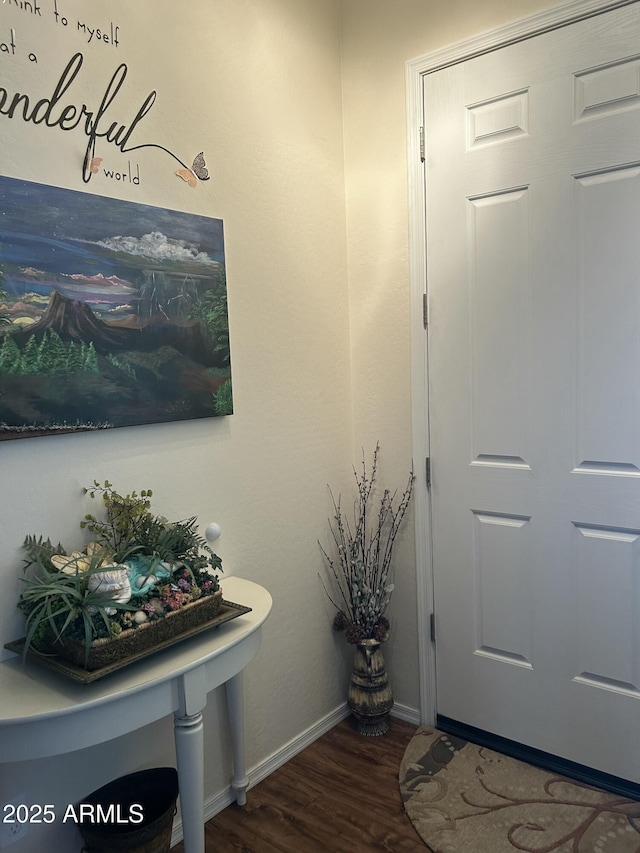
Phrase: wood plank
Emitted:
{"points": [[339, 795]]}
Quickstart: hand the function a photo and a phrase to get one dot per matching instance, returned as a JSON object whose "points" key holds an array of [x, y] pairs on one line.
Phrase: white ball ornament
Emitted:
{"points": [[212, 531]]}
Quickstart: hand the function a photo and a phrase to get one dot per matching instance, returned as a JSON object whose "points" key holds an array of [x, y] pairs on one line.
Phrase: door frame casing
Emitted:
{"points": [[415, 71]]}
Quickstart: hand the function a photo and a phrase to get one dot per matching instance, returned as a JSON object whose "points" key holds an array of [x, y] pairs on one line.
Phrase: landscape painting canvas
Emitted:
{"points": [[112, 313]]}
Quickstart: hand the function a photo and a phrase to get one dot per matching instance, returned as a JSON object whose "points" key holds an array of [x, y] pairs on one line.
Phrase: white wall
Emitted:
{"points": [[319, 334], [257, 85]]}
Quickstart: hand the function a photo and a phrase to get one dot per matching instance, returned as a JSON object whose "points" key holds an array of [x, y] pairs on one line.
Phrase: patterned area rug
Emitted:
{"points": [[463, 798]]}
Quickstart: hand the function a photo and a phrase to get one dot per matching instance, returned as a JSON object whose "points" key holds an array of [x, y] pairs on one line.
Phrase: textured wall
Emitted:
{"points": [[257, 85]]}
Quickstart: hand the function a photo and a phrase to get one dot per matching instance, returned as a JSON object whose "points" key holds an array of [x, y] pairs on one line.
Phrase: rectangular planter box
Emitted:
{"points": [[105, 652], [107, 656]]}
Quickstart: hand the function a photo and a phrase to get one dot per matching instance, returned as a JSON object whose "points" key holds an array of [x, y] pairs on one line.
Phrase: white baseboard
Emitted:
{"points": [[406, 713]]}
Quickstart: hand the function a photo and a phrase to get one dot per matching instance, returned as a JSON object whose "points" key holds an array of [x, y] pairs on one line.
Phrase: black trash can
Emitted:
{"points": [[133, 814]]}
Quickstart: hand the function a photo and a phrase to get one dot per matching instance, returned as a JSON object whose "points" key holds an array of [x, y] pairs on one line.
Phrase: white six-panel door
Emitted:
{"points": [[533, 232]]}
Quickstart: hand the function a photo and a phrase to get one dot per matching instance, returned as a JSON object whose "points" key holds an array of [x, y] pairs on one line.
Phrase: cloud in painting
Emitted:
{"points": [[100, 282], [157, 247]]}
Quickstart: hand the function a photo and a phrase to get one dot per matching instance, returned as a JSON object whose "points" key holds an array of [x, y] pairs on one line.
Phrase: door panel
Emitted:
{"points": [[533, 224]]}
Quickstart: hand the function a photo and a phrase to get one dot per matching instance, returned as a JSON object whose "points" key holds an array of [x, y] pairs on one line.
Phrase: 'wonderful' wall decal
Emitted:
{"points": [[96, 121]]}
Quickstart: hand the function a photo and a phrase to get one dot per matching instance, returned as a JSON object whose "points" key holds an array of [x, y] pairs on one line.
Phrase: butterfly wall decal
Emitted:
{"points": [[94, 165], [198, 172]]}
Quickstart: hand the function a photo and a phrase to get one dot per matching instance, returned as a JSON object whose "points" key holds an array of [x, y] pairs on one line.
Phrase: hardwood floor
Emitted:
{"points": [[340, 795]]}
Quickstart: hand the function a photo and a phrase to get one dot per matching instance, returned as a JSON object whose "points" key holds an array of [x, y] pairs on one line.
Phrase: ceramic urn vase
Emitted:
{"points": [[370, 699]]}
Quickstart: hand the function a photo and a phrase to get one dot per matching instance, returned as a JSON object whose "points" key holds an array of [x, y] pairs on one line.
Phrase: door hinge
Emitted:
{"points": [[422, 156], [427, 470], [425, 310], [432, 626]]}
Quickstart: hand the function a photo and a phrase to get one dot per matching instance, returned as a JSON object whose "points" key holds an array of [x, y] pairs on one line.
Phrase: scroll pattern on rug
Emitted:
{"points": [[464, 798]]}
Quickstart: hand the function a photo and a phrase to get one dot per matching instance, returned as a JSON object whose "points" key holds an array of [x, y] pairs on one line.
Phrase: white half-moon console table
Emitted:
{"points": [[43, 714]]}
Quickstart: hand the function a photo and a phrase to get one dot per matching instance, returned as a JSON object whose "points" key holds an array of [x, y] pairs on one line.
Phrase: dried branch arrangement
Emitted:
{"points": [[361, 575]]}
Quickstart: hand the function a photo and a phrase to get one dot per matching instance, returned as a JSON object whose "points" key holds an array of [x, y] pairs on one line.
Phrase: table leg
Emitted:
{"points": [[189, 738], [235, 704]]}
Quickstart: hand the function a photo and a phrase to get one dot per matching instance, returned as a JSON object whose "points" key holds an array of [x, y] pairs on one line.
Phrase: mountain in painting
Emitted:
{"points": [[75, 321]]}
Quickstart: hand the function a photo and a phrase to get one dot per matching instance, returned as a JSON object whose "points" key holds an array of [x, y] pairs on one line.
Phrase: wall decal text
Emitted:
{"points": [[98, 122]]}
